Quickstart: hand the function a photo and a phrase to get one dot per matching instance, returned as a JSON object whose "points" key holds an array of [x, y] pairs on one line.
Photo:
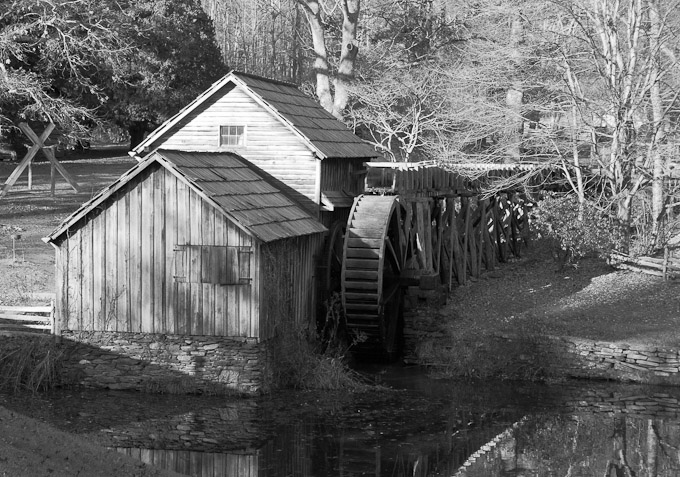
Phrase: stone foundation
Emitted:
{"points": [[164, 363]]}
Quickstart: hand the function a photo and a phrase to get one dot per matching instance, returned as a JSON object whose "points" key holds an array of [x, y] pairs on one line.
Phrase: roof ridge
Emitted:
{"points": [[264, 78]]}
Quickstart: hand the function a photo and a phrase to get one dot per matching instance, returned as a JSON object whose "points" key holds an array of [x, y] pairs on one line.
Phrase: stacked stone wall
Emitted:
{"points": [[582, 358], [553, 356], [234, 425], [164, 363], [638, 402]]}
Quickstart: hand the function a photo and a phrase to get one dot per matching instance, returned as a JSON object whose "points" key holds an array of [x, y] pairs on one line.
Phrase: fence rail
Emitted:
{"points": [[16, 320], [666, 267]]}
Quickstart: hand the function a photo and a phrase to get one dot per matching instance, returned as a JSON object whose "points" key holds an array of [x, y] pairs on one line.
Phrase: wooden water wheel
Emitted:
{"points": [[373, 256]]}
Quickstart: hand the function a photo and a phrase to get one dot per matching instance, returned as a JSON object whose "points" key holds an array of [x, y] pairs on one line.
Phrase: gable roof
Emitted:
{"points": [[320, 130], [238, 189]]}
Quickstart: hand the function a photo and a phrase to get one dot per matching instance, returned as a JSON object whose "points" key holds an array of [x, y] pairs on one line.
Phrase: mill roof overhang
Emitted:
{"points": [[246, 195]]}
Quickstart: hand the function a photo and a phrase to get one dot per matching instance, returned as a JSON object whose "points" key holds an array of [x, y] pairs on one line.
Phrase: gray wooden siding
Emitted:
{"points": [[343, 174], [270, 145], [289, 284], [116, 269]]}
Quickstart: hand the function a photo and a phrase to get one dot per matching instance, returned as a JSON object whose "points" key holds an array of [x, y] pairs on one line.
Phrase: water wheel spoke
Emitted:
{"points": [[392, 254], [393, 289], [336, 258]]}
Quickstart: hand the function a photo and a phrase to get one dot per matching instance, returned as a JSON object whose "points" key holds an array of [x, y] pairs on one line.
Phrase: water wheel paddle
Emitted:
{"points": [[373, 257]]}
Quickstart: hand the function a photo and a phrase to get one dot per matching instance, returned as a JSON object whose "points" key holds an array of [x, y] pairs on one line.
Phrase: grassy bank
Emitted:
{"points": [[30, 363], [532, 299]]}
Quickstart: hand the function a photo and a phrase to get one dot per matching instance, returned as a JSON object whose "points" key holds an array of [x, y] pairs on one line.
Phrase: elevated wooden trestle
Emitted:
{"points": [[419, 225]]}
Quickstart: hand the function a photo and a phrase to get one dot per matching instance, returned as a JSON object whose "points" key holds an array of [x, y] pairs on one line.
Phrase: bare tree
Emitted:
{"points": [[614, 77], [401, 111], [261, 37], [52, 54], [334, 99]]}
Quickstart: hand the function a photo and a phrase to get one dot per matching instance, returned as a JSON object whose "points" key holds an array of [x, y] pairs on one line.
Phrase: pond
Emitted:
{"points": [[420, 427]]}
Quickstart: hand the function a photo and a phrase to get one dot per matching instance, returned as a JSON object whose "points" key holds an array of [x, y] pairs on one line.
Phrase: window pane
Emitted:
{"points": [[232, 135]]}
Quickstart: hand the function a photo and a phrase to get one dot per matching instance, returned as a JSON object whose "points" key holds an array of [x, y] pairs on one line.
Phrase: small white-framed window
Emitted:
{"points": [[232, 135]]}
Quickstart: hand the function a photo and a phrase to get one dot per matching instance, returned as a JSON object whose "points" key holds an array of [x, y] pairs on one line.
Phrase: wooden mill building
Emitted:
{"points": [[185, 243], [196, 258], [279, 129]]}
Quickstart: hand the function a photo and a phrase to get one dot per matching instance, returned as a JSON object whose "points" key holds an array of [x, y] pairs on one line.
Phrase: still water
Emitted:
{"points": [[421, 427]]}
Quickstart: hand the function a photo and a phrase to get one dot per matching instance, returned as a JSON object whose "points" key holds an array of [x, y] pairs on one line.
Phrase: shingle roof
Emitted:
{"points": [[328, 134], [245, 194], [329, 137]]}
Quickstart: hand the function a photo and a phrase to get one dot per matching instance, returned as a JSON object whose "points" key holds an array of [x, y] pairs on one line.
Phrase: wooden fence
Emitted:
{"points": [[17, 320], [666, 267]]}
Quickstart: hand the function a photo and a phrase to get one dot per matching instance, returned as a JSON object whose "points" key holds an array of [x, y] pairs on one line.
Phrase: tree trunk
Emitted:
{"points": [[312, 10], [652, 449], [137, 129], [618, 465], [348, 55], [515, 95], [580, 189], [659, 122], [508, 452]]}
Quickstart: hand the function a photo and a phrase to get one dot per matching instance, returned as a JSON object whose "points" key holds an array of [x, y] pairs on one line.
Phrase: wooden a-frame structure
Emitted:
{"points": [[38, 144]]}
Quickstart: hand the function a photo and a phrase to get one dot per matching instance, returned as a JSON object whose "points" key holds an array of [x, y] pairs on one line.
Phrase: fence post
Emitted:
{"points": [[52, 316]]}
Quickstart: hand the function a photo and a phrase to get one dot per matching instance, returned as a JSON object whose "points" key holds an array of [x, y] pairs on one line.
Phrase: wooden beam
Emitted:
{"points": [[38, 144], [421, 242], [49, 152], [466, 237], [440, 233], [472, 243], [482, 236], [490, 252], [53, 179], [35, 139], [11, 180]]}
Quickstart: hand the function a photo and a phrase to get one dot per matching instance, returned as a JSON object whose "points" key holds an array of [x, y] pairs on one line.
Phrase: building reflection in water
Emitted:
{"points": [[601, 434]]}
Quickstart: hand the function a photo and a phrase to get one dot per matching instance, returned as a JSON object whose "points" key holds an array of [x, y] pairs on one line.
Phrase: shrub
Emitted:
{"points": [[298, 362], [556, 217]]}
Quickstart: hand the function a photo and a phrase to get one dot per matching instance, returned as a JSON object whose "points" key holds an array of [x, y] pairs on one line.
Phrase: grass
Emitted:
{"points": [[30, 363], [20, 279]]}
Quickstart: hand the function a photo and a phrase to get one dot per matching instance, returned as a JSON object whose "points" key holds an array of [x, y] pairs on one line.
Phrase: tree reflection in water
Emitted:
{"points": [[586, 444]]}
